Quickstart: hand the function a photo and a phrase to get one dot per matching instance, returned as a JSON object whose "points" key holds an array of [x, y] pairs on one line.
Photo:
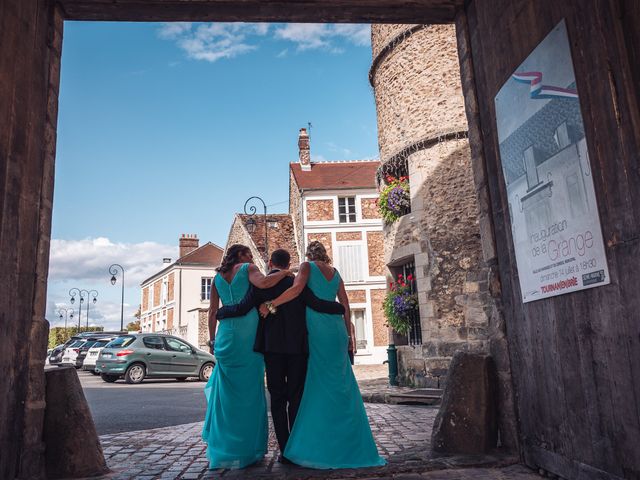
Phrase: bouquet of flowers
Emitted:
{"points": [[394, 201], [399, 304]]}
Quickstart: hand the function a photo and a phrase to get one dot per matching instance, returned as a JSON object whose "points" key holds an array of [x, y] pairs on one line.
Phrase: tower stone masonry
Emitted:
{"points": [[422, 133]]}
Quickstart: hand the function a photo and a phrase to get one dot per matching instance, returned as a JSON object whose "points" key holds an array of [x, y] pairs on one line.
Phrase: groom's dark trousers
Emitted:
{"points": [[282, 338]]}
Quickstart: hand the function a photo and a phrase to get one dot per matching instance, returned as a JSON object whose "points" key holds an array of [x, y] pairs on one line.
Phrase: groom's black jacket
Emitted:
{"points": [[286, 330]]}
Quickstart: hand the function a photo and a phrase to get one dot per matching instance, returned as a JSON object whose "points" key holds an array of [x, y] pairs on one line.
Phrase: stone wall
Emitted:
{"points": [[239, 234], [318, 210], [421, 120], [345, 236], [145, 299], [380, 330], [203, 329], [295, 210], [375, 251], [369, 207], [171, 287], [357, 296], [325, 239], [417, 87], [157, 288]]}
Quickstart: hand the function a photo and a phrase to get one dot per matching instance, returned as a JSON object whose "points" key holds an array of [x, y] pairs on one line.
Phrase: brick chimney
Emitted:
{"points": [[188, 243], [304, 150]]}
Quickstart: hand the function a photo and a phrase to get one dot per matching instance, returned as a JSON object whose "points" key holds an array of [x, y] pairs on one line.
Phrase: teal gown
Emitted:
{"points": [[235, 425], [331, 429]]}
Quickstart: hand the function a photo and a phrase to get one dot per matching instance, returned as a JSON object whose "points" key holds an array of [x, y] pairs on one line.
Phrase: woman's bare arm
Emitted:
{"points": [[344, 301], [261, 281], [298, 285], [214, 304]]}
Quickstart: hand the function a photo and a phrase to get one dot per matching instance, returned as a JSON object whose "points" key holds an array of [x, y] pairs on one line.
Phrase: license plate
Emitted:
{"points": [[106, 355]]}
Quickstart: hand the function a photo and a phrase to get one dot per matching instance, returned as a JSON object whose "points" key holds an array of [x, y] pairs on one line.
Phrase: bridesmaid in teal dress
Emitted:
{"points": [[235, 425], [331, 429]]}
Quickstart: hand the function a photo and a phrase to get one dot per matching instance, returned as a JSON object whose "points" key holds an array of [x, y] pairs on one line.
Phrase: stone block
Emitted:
{"points": [[72, 447], [467, 420]]}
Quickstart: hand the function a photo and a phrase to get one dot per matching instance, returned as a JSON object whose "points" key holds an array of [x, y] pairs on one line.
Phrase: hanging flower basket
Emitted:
{"points": [[395, 200], [400, 305]]}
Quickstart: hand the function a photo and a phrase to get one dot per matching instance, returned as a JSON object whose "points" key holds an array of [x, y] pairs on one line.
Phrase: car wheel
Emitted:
{"points": [[181, 379], [205, 372], [135, 373], [108, 378]]}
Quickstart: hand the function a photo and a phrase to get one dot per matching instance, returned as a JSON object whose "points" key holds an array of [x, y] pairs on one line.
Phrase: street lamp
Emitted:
{"points": [[251, 223], [94, 294], [68, 314], [113, 270], [80, 293], [84, 295]]}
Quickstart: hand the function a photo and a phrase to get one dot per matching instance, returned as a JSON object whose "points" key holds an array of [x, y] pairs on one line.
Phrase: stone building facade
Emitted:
{"points": [[422, 133], [170, 296], [336, 204]]}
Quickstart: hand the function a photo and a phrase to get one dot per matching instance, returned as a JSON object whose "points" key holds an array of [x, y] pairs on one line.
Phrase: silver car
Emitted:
{"points": [[152, 355]]}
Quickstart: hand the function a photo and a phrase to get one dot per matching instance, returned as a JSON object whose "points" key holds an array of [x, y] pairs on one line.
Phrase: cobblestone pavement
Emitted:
{"points": [[402, 433]]}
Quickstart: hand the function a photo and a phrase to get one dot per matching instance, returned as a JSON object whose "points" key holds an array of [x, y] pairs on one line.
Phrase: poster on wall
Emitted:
{"points": [[552, 203]]}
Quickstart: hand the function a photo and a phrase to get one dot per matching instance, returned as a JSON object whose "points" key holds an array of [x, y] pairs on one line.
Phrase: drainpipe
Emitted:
{"points": [[180, 302]]}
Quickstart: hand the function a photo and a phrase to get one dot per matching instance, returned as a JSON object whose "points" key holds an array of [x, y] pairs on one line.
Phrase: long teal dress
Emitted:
{"points": [[331, 429], [235, 425]]}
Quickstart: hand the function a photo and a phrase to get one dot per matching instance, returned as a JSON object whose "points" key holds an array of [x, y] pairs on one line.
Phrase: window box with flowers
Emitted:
{"points": [[395, 199], [400, 305]]}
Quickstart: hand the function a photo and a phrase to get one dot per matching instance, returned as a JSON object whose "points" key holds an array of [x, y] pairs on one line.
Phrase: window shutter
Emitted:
{"points": [[350, 262]]}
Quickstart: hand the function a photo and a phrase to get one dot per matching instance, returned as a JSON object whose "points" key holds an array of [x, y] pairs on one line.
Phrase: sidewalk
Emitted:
{"points": [[402, 434]]}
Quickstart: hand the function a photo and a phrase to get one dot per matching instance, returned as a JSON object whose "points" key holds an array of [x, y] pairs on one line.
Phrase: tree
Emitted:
{"points": [[133, 326]]}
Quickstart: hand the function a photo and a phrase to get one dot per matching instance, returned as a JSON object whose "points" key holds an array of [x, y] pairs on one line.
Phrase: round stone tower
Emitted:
{"points": [[422, 132]]}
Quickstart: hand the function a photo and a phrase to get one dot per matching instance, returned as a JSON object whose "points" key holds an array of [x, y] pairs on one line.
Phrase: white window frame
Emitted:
{"points": [[203, 295], [348, 212], [363, 263]]}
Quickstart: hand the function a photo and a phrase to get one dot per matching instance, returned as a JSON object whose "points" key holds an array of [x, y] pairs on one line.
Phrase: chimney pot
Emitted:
{"points": [[304, 150], [188, 243]]}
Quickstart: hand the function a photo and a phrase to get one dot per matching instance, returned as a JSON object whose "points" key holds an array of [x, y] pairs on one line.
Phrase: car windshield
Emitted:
{"points": [[76, 344], [89, 344], [120, 342], [100, 343]]}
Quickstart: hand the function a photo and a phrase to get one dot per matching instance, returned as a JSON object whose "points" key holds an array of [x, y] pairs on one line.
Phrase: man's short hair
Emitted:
{"points": [[280, 258]]}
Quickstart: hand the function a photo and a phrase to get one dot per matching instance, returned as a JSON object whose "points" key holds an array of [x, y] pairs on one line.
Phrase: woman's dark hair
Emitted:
{"points": [[316, 251], [231, 257]]}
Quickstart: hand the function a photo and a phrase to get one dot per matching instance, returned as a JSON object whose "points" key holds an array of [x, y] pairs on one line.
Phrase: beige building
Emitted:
{"points": [[172, 299], [422, 133], [335, 203]]}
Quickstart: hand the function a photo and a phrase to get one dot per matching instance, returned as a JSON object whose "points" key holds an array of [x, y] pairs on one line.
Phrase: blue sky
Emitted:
{"points": [[166, 129]]}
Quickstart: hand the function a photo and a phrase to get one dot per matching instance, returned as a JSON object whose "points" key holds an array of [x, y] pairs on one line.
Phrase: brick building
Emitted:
{"points": [[335, 203], [422, 132], [172, 299]]}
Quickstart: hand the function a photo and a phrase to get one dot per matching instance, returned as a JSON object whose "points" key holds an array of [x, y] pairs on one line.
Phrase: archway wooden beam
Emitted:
{"points": [[312, 11]]}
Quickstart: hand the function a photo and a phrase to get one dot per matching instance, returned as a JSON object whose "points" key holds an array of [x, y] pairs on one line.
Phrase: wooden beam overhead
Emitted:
{"points": [[307, 11]]}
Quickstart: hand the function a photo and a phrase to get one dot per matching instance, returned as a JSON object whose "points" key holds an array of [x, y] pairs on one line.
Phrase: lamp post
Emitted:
{"points": [[113, 270], [251, 223], [67, 315], [80, 293], [94, 294], [84, 295]]}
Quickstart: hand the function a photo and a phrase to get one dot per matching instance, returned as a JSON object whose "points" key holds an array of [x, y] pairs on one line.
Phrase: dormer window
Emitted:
{"points": [[347, 209]]}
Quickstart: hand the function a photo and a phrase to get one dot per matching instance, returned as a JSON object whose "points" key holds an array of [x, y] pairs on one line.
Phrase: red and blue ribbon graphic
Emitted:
{"points": [[540, 91]]}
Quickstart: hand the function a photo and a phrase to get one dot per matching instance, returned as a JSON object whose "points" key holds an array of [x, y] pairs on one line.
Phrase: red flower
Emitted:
{"points": [[410, 277]]}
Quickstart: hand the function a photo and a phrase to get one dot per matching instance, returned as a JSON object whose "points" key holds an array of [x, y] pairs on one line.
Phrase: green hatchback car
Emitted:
{"points": [[152, 355]]}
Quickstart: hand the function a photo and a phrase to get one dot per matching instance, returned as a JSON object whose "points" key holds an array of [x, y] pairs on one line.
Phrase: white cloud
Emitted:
{"points": [[310, 36], [89, 259], [174, 29], [214, 41]]}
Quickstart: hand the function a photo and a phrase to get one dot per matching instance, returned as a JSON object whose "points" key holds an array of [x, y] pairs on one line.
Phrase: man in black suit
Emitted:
{"points": [[282, 339]]}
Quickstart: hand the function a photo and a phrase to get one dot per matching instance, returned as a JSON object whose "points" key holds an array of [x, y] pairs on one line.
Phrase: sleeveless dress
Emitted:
{"points": [[235, 425], [331, 429]]}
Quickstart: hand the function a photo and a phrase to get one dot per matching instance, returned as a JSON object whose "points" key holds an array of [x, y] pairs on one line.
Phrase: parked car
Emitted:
{"points": [[84, 348], [71, 353], [151, 355], [55, 358], [93, 353]]}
